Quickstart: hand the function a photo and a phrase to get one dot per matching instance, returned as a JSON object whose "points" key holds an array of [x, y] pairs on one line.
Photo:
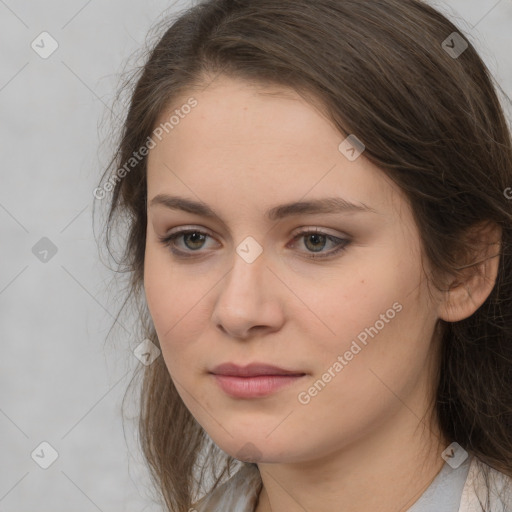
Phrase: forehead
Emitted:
{"points": [[240, 111], [261, 142]]}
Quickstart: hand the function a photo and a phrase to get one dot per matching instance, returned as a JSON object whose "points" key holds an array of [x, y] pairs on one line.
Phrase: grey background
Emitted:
{"points": [[59, 381]]}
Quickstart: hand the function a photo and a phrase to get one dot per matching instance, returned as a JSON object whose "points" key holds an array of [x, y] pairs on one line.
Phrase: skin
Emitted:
{"points": [[242, 150]]}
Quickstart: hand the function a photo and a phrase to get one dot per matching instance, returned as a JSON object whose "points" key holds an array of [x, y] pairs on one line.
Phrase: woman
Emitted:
{"points": [[319, 227]]}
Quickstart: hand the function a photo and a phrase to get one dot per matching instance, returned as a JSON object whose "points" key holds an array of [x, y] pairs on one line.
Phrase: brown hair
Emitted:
{"points": [[431, 121]]}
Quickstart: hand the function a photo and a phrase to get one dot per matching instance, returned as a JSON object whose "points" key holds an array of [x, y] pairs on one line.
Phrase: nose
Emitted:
{"points": [[249, 300]]}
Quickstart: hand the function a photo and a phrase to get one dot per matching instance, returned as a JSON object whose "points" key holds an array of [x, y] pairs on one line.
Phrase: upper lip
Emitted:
{"points": [[252, 370]]}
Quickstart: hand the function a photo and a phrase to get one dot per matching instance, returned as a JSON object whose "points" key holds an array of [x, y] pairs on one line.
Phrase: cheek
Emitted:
{"points": [[178, 306], [354, 300], [378, 319], [354, 396], [167, 292], [158, 293], [163, 296]]}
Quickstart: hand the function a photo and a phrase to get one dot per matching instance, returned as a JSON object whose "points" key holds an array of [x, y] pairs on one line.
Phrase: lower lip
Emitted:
{"points": [[254, 387]]}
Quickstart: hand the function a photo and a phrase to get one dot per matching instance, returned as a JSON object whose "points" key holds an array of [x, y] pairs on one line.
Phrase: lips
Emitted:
{"points": [[253, 370], [255, 380]]}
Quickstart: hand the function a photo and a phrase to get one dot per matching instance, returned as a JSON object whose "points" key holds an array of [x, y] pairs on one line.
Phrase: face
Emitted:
{"points": [[335, 295]]}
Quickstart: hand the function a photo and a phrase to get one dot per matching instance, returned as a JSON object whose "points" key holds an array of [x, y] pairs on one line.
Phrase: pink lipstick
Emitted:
{"points": [[254, 380]]}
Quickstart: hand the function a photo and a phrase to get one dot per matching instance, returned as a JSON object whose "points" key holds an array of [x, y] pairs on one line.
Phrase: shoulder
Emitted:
{"points": [[238, 494], [486, 489]]}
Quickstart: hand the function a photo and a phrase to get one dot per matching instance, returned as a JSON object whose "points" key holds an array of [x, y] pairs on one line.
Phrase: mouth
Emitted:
{"points": [[255, 380], [253, 370]]}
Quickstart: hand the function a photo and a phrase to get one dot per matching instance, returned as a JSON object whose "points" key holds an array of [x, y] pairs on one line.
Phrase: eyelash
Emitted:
{"points": [[168, 241]]}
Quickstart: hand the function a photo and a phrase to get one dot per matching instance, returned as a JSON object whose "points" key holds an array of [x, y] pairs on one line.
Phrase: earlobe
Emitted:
{"points": [[475, 281]]}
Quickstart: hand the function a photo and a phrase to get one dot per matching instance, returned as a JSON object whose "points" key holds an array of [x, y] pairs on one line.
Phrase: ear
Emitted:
{"points": [[476, 278]]}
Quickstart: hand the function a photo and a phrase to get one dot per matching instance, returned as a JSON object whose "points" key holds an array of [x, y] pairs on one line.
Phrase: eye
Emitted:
{"points": [[194, 240], [315, 240]]}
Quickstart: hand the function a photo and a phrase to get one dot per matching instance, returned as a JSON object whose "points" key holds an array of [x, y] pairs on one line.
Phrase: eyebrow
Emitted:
{"points": [[316, 206]]}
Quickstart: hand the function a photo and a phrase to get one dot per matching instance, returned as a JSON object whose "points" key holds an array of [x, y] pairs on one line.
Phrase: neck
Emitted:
{"points": [[388, 472]]}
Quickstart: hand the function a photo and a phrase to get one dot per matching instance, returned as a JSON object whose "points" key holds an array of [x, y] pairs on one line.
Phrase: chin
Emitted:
{"points": [[255, 449]]}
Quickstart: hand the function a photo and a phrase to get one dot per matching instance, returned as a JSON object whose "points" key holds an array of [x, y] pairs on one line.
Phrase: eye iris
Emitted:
{"points": [[195, 236], [316, 237]]}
